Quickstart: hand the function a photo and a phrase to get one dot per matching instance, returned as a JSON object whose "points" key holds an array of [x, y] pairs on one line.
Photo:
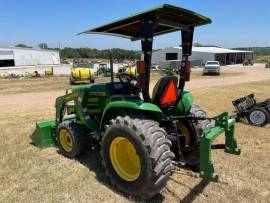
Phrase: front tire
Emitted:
{"points": [[71, 139], [136, 155]]}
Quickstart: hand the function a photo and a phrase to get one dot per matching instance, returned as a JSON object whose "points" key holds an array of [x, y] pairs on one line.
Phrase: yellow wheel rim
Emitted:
{"points": [[66, 140], [125, 159], [185, 132]]}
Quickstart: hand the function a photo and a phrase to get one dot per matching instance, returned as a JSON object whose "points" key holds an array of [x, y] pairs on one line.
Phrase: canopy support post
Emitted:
{"points": [[187, 40], [111, 66], [147, 29]]}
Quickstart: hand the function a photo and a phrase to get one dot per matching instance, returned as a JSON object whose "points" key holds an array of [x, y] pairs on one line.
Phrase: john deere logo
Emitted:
{"points": [[71, 96], [97, 94]]}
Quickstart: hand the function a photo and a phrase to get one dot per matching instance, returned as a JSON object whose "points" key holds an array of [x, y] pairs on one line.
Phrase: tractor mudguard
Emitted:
{"points": [[113, 109], [184, 104]]}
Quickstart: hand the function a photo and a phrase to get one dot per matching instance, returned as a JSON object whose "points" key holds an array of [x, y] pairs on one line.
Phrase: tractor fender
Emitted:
{"points": [[115, 108], [184, 104]]}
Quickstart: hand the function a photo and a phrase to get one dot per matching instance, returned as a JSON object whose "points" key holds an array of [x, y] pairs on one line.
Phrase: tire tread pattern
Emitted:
{"points": [[79, 137], [158, 147]]}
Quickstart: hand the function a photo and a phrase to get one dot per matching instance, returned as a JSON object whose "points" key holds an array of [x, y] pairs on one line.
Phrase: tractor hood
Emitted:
{"points": [[169, 19]]}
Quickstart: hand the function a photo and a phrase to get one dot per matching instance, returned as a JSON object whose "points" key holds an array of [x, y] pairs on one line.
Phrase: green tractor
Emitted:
{"points": [[140, 139], [103, 70]]}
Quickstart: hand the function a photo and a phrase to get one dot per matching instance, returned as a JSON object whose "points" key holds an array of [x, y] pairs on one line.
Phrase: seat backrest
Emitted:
{"points": [[165, 91]]}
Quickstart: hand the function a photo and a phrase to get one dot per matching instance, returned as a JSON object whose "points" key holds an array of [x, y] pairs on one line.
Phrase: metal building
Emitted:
{"points": [[202, 54], [16, 56]]}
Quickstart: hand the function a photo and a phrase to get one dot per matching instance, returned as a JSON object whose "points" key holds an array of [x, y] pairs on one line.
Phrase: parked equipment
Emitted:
{"points": [[49, 71], [256, 113], [103, 70], [35, 74], [140, 139], [81, 71], [211, 67], [127, 72], [248, 62], [267, 65]]}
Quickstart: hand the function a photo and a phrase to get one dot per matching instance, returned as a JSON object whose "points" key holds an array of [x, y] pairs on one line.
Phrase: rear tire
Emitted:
{"points": [[152, 149], [199, 125], [71, 139], [193, 129]]}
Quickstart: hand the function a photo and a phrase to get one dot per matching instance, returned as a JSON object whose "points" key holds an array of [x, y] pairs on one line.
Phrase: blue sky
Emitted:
{"points": [[236, 23]]}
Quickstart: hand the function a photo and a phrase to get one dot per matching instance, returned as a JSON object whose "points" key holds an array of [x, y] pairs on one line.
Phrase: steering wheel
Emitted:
{"points": [[133, 89], [124, 77]]}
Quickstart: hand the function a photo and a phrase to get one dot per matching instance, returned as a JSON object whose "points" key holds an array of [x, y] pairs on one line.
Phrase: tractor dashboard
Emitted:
{"points": [[120, 88]]}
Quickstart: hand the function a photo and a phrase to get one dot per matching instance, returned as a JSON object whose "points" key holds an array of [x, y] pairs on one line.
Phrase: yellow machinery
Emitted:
{"points": [[81, 72], [48, 71], [131, 71], [35, 74], [127, 72]]}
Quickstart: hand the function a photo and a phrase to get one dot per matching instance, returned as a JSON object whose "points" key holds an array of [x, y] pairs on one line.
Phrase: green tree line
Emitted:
{"points": [[258, 51], [119, 54], [122, 54], [68, 52]]}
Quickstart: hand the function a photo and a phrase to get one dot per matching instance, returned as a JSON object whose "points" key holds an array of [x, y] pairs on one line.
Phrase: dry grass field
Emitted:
{"points": [[28, 174]]}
